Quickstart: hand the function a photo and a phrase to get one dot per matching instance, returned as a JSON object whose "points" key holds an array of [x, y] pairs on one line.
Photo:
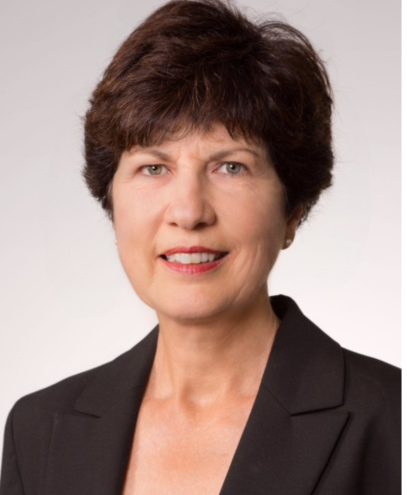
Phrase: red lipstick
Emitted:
{"points": [[187, 267]]}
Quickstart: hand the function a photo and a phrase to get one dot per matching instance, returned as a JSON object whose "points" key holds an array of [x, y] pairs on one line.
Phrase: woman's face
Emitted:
{"points": [[199, 222]]}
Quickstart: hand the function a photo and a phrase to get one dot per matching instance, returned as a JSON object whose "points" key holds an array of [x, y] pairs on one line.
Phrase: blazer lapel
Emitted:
{"points": [[295, 424], [90, 448], [287, 442]]}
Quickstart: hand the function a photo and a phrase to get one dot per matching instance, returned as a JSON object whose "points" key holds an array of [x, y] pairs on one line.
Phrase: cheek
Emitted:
{"points": [[136, 223], [258, 221], [259, 232], [135, 215]]}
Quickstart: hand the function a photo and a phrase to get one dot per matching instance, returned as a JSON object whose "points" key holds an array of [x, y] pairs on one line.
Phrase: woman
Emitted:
{"points": [[208, 141]]}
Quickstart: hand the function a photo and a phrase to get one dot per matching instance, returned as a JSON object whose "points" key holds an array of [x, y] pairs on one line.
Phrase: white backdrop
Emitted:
{"points": [[66, 304]]}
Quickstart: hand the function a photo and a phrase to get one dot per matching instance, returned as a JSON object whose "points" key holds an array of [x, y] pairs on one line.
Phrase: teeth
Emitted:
{"points": [[196, 258], [191, 259]]}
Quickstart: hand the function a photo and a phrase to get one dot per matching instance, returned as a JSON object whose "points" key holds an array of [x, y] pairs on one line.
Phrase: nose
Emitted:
{"points": [[189, 205]]}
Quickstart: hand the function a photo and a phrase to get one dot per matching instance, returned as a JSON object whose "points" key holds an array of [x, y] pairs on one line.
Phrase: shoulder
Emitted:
{"points": [[32, 416], [372, 398], [371, 374], [31, 423], [59, 397], [104, 380], [370, 382], [371, 438]]}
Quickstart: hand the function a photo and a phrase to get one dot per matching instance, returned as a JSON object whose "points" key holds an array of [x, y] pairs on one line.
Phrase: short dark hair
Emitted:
{"points": [[195, 63]]}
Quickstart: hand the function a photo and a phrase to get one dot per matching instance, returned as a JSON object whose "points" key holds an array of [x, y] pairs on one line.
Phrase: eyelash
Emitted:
{"points": [[242, 168], [146, 169]]}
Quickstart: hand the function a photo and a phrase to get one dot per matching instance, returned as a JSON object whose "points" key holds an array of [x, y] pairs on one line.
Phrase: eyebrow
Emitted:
{"points": [[222, 154], [219, 155], [157, 153]]}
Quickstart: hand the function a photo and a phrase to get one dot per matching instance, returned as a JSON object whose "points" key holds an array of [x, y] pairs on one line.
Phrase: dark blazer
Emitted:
{"points": [[326, 421]]}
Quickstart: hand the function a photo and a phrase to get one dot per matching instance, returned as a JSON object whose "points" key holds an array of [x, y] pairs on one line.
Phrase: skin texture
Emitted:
{"points": [[201, 189]]}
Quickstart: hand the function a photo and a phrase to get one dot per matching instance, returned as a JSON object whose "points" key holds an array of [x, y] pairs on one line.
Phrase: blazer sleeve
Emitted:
{"points": [[10, 480]]}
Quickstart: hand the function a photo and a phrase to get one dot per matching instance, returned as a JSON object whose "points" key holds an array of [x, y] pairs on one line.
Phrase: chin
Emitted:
{"points": [[189, 308], [191, 312]]}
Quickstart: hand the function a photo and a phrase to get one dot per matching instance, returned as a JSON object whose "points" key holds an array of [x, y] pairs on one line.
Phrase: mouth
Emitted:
{"points": [[193, 258]]}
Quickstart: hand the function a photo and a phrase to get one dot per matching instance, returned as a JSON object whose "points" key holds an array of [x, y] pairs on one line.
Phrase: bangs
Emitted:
{"points": [[187, 94]]}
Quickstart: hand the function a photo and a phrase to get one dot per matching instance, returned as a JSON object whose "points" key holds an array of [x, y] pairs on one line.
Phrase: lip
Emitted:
{"points": [[191, 249], [193, 269]]}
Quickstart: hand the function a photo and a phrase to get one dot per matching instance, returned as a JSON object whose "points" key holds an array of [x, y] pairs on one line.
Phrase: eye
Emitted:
{"points": [[232, 168], [154, 170]]}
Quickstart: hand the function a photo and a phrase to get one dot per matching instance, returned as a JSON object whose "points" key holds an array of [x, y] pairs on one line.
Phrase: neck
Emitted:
{"points": [[205, 362]]}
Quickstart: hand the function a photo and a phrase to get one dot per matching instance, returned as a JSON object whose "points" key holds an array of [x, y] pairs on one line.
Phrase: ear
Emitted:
{"points": [[292, 225]]}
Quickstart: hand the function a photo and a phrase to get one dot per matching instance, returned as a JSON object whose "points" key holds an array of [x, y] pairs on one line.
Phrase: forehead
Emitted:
{"points": [[217, 141]]}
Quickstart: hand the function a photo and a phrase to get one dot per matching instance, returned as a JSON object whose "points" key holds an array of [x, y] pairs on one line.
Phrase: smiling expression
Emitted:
{"points": [[199, 223]]}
